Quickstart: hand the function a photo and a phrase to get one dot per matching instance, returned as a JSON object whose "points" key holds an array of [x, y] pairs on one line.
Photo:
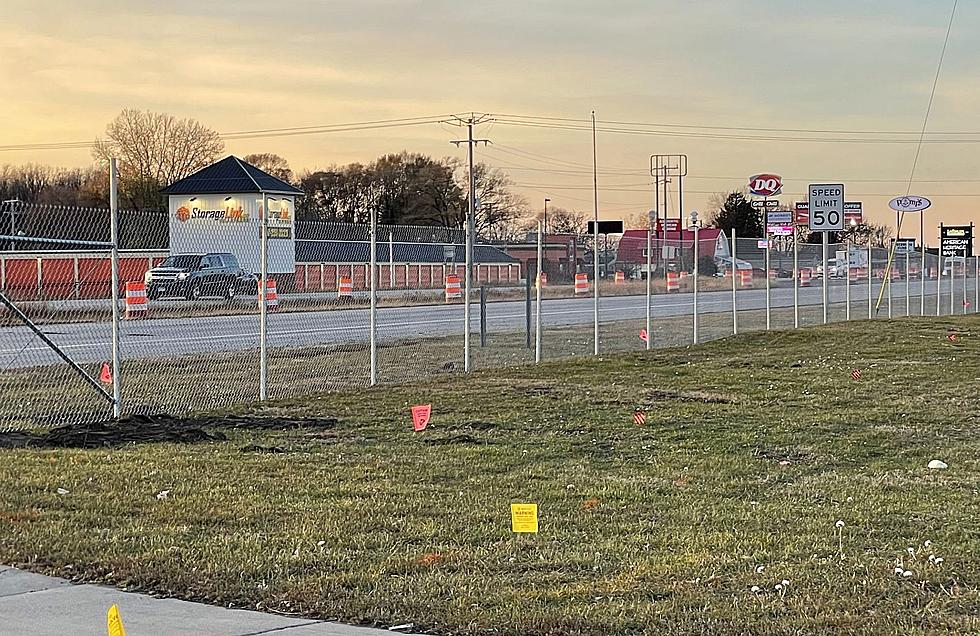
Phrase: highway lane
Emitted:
{"points": [[170, 337]]}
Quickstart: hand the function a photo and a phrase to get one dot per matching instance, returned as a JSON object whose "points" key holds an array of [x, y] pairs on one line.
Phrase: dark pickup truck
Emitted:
{"points": [[194, 276]]}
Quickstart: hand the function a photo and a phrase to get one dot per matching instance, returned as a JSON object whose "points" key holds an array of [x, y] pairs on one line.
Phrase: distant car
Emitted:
{"points": [[194, 276]]}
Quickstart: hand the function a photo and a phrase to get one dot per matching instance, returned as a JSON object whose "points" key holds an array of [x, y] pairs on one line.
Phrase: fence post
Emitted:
{"points": [[826, 275], [908, 284], [650, 278], [768, 284], [483, 315], [734, 271], [527, 304], [374, 297], [537, 300], [939, 284], [114, 292], [847, 282], [263, 310], [871, 278], [976, 284], [696, 273], [796, 279]]}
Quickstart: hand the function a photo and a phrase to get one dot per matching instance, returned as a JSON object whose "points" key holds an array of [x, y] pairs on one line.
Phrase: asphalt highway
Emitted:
{"points": [[89, 342]]}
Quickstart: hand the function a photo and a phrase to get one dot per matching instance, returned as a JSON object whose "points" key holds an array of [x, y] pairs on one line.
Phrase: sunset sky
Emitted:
{"points": [[69, 67]]}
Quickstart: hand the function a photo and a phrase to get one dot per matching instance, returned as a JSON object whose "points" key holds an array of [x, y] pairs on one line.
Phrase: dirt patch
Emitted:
{"points": [[689, 396], [146, 429]]}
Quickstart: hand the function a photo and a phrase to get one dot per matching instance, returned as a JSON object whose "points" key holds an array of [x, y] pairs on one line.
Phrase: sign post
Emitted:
{"points": [[765, 185], [826, 214], [909, 203]]}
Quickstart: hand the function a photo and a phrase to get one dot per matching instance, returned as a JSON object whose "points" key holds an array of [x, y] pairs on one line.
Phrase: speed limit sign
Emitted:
{"points": [[826, 207]]}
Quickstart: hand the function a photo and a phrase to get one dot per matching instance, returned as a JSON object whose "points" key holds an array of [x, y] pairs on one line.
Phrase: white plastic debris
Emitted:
{"points": [[907, 574], [398, 628], [938, 464], [756, 589], [163, 494], [62, 491]]}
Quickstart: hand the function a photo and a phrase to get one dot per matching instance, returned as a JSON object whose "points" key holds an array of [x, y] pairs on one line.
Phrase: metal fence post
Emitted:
{"points": [[908, 285], [826, 275], [263, 309], [871, 279], [976, 284], [768, 286], [952, 287], [483, 315], [650, 280], [697, 271], [537, 300], [734, 286], [847, 282], [527, 305], [374, 297], [964, 283], [114, 292], [939, 285], [796, 279]]}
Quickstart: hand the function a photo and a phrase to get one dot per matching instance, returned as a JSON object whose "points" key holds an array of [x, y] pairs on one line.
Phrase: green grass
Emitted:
{"points": [[754, 448]]}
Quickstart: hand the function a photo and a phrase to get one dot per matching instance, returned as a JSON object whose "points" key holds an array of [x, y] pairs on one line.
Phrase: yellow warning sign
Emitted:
{"points": [[115, 622], [524, 517]]}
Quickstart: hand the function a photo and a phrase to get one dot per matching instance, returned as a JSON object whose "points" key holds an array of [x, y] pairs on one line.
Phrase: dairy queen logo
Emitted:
{"points": [[765, 185]]}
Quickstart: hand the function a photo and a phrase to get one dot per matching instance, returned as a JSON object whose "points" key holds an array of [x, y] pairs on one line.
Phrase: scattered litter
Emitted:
{"points": [[907, 574], [62, 491], [163, 494], [398, 628], [938, 464]]}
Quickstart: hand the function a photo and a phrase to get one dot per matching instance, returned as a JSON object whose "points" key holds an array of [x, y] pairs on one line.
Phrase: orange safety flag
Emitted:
{"points": [[420, 416], [106, 376]]}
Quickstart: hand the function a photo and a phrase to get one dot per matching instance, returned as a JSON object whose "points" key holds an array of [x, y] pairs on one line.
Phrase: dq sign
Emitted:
{"points": [[909, 204], [765, 185]]}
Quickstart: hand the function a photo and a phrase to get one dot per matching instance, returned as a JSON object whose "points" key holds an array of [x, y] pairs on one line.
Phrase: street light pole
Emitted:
{"points": [[546, 201]]}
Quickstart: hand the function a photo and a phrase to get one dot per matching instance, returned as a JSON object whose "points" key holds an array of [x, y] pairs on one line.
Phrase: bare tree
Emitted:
{"points": [[272, 163], [154, 150]]}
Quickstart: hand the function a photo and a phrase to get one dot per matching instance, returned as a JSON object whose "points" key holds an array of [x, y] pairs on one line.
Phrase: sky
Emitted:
{"points": [[702, 71]]}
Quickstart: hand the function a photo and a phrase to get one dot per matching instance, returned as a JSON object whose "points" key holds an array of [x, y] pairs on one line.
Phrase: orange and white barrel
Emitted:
{"points": [[932, 272], [895, 275], [271, 294], [853, 274], [136, 303], [620, 278], [673, 282], [345, 287], [745, 278], [581, 284], [880, 273], [453, 289], [805, 274], [773, 274], [544, 279]]}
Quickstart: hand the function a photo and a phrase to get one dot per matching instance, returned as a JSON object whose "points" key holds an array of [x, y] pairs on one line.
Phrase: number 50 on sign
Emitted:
{"points": [[826, 207]]}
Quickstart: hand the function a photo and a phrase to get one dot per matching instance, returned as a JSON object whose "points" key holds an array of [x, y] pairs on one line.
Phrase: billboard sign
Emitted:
{"points": [[904, 245], [826, 207], [909, 204], [233, 223], [853, 213], [765, 204], [671, 225], [765, 185], [956, 240], [606, 227], [780, 229]]}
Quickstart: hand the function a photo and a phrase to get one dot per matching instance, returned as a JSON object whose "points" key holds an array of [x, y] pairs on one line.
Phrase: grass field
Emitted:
{"points": [[762, 463]]}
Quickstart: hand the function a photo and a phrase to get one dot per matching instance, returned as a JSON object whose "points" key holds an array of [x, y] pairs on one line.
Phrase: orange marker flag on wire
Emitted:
{"points": [[420, 416], [106, 375]]}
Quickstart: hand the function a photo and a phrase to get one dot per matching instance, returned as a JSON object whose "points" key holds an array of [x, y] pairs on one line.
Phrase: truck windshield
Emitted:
{"points": [[182, 262]]}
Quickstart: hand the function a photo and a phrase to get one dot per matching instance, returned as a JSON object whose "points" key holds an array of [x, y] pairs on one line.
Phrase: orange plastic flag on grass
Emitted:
{"points": [[115, 622], [106, 376], [420, 416]]}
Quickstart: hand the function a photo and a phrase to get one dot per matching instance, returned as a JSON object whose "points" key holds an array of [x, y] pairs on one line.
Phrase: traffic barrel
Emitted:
{"points": [[581, 284], [271, 294], [136, 303], [805, 274], [544, 279], [620, 278], [452, 287], [345, 287], [853, 274], [673, 282], [745, 278]]}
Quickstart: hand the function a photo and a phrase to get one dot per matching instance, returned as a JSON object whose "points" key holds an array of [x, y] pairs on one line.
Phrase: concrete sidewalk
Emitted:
{"points": [[36, 605]]}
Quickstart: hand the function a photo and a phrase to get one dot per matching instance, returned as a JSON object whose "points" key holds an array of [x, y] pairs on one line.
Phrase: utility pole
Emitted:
{"points": [[546, 201], [470, 142]]}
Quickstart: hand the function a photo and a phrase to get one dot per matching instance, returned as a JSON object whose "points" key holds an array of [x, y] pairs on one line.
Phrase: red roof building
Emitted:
{"points": [[677, 246]]}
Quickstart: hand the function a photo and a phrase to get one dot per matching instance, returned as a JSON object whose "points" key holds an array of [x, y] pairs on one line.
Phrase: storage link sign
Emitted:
{"points": [[826, 207]]}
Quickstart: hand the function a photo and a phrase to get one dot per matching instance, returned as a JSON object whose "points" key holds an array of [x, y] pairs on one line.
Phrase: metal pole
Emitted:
{"points": [[527, 306], [696, 271], [391, 260], [976, 284], [263, 309], [537, 298], [469, 250], [964, 283], [374, 297], [908, 284], [871, 278], [939, 283], [114, 293], [595, 251], [680, 215], [847, 282], [796, 279], [734, 286], [650, 279], [768, 284], [922, 267], [826, 276]]}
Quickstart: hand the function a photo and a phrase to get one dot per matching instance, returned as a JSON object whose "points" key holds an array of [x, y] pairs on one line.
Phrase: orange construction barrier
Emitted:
{"points": [[136, 303], [620, 278], [894, 274], [581, 284], [853, 274], [673, 282], [745, 278], [271, 294], [773, 274], [452, 287], [805, 274], [544, 279], [345, 287]]}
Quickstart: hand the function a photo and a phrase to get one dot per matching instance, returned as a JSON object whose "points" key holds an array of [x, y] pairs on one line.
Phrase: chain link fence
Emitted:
{"points": [[191, 335]]}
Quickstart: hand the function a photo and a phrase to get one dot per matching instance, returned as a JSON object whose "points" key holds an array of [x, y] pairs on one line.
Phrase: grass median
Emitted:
{"points": [[767, 493]]}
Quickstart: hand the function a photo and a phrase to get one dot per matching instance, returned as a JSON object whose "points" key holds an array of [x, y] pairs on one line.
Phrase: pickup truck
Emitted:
{"points": [[194, 276]]}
